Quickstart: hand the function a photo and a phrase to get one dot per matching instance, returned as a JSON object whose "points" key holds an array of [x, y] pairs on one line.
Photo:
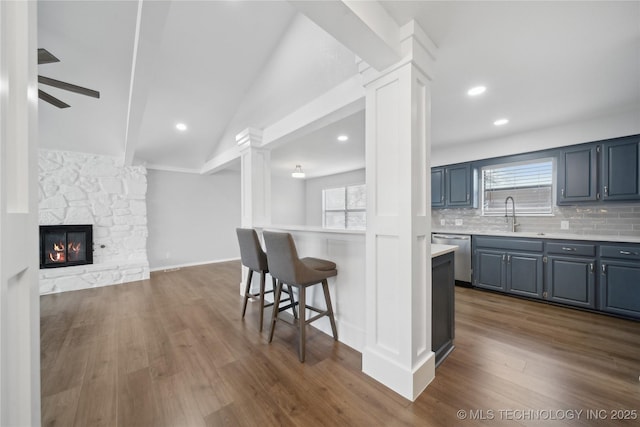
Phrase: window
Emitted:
{"points": [[345, 207], [529, 183]]}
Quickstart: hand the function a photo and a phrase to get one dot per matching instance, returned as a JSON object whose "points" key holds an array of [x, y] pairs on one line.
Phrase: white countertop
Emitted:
{"points": [[557, 236], [438, 249], [312, 229]]}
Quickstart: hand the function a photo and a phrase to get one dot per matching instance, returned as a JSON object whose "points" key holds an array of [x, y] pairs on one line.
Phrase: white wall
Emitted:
{"points": [[619, 123], [314, 189], [192, 218], [288, 201]]}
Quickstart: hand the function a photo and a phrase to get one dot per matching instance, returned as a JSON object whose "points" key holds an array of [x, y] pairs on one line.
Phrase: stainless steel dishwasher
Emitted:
{"points": [[462, 256]]}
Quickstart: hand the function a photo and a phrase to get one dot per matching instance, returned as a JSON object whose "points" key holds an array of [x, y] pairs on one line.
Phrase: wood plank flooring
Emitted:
{"points": [[174, 351]]}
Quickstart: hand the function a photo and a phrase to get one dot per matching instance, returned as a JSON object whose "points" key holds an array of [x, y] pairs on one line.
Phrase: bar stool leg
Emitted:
{"points": [[302, 321], [262, 280], [275, 311], [327, 298], [293, 303], [246, 292]]}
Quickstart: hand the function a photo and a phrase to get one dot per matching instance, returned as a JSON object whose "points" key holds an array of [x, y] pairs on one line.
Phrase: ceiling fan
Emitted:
{"points": [[45, 57]]}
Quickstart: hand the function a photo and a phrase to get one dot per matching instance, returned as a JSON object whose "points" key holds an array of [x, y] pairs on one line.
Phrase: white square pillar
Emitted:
{"points": [[255, 179], [398, 299], [255, 186]]}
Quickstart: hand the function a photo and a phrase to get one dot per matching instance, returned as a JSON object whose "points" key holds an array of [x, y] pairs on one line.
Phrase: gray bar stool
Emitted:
{"points": [[288, 269], [254, 258]]}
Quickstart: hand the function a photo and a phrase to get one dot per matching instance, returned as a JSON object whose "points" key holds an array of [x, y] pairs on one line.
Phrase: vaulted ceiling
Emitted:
{"points": [[223, 66]]}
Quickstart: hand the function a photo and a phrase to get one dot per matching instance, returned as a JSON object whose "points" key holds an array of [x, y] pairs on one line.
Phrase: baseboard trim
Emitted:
{"points": [[191, 264]]}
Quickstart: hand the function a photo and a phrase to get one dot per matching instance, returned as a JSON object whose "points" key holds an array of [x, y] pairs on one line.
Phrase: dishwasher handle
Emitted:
{"points": [[451, 237]]}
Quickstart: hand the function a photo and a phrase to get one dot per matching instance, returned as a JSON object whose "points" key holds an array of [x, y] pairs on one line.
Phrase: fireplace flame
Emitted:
{"points": [[57, 255], [73, 250]]}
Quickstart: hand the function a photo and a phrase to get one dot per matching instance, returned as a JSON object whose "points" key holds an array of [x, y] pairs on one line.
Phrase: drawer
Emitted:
{"points": [[631, 252], [571, 248], [527, 245]]}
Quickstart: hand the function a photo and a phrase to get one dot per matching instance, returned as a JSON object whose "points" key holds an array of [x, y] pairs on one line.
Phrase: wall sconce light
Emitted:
{"points": [[297, 173]]}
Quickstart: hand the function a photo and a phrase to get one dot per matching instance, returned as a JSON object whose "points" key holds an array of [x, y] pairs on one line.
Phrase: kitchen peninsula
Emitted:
{"points": [[347, 249]]}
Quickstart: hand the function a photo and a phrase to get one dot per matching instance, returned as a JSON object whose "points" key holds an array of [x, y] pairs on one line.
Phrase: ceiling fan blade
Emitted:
{"points": [[68, 86], [51, 99], [46, 57]]}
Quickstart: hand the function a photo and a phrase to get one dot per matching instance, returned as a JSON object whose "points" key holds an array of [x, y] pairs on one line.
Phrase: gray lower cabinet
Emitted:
{"points": [[620, 279], [489, 270], [571, 280], [571, 276], [513, 272], [524, 274], [593, 275], [443, 307], [509, 267]]}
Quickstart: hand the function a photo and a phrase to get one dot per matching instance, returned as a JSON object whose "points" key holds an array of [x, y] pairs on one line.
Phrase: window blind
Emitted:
{"points": [[529, 183]]}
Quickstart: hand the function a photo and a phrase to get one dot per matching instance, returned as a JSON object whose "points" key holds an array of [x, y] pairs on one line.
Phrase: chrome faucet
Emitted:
{"points": [[513, 213]]}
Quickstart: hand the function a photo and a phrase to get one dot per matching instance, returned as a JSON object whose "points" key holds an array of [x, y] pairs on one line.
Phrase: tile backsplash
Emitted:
{"points": [[612, 219]]}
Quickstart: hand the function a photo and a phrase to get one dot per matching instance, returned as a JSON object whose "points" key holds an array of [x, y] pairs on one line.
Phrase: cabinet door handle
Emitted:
{"points": [[467, 197], [504, 257], [562, 192], [628, 253], [508, 258], [606, 190], [591, 267], [604, 268], [564, 248]]}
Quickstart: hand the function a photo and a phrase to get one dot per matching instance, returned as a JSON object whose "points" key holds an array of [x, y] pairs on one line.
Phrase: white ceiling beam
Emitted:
{"points": [[337, 103], [221, 161], [364, 27], [151, 21]]}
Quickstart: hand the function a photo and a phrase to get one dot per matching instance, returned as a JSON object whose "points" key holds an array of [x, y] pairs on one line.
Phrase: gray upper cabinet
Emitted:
{"points": [[578, 175], [437, 188], [452, 186], [458, 185], [608, 171], [621, 169]]}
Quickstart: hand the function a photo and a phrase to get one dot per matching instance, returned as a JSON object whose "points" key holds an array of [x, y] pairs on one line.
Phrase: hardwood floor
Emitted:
{"points": [[174, 351]]}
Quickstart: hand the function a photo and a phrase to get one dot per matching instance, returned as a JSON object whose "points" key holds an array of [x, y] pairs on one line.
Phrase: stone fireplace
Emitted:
{"points": [[78, 188]]}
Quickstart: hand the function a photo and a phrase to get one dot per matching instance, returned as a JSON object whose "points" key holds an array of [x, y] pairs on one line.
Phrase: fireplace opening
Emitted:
{"points": [[65, 245]]}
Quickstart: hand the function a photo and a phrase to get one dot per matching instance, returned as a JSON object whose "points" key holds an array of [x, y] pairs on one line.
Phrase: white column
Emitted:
{"points": [[19, 290], [255, 182], [255, 179], [398, 298]]}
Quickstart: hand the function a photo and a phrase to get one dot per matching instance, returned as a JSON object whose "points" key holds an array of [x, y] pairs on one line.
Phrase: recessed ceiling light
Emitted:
{"points": [[501, 122], [181, 127], [474, 91], [343, 138]]}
